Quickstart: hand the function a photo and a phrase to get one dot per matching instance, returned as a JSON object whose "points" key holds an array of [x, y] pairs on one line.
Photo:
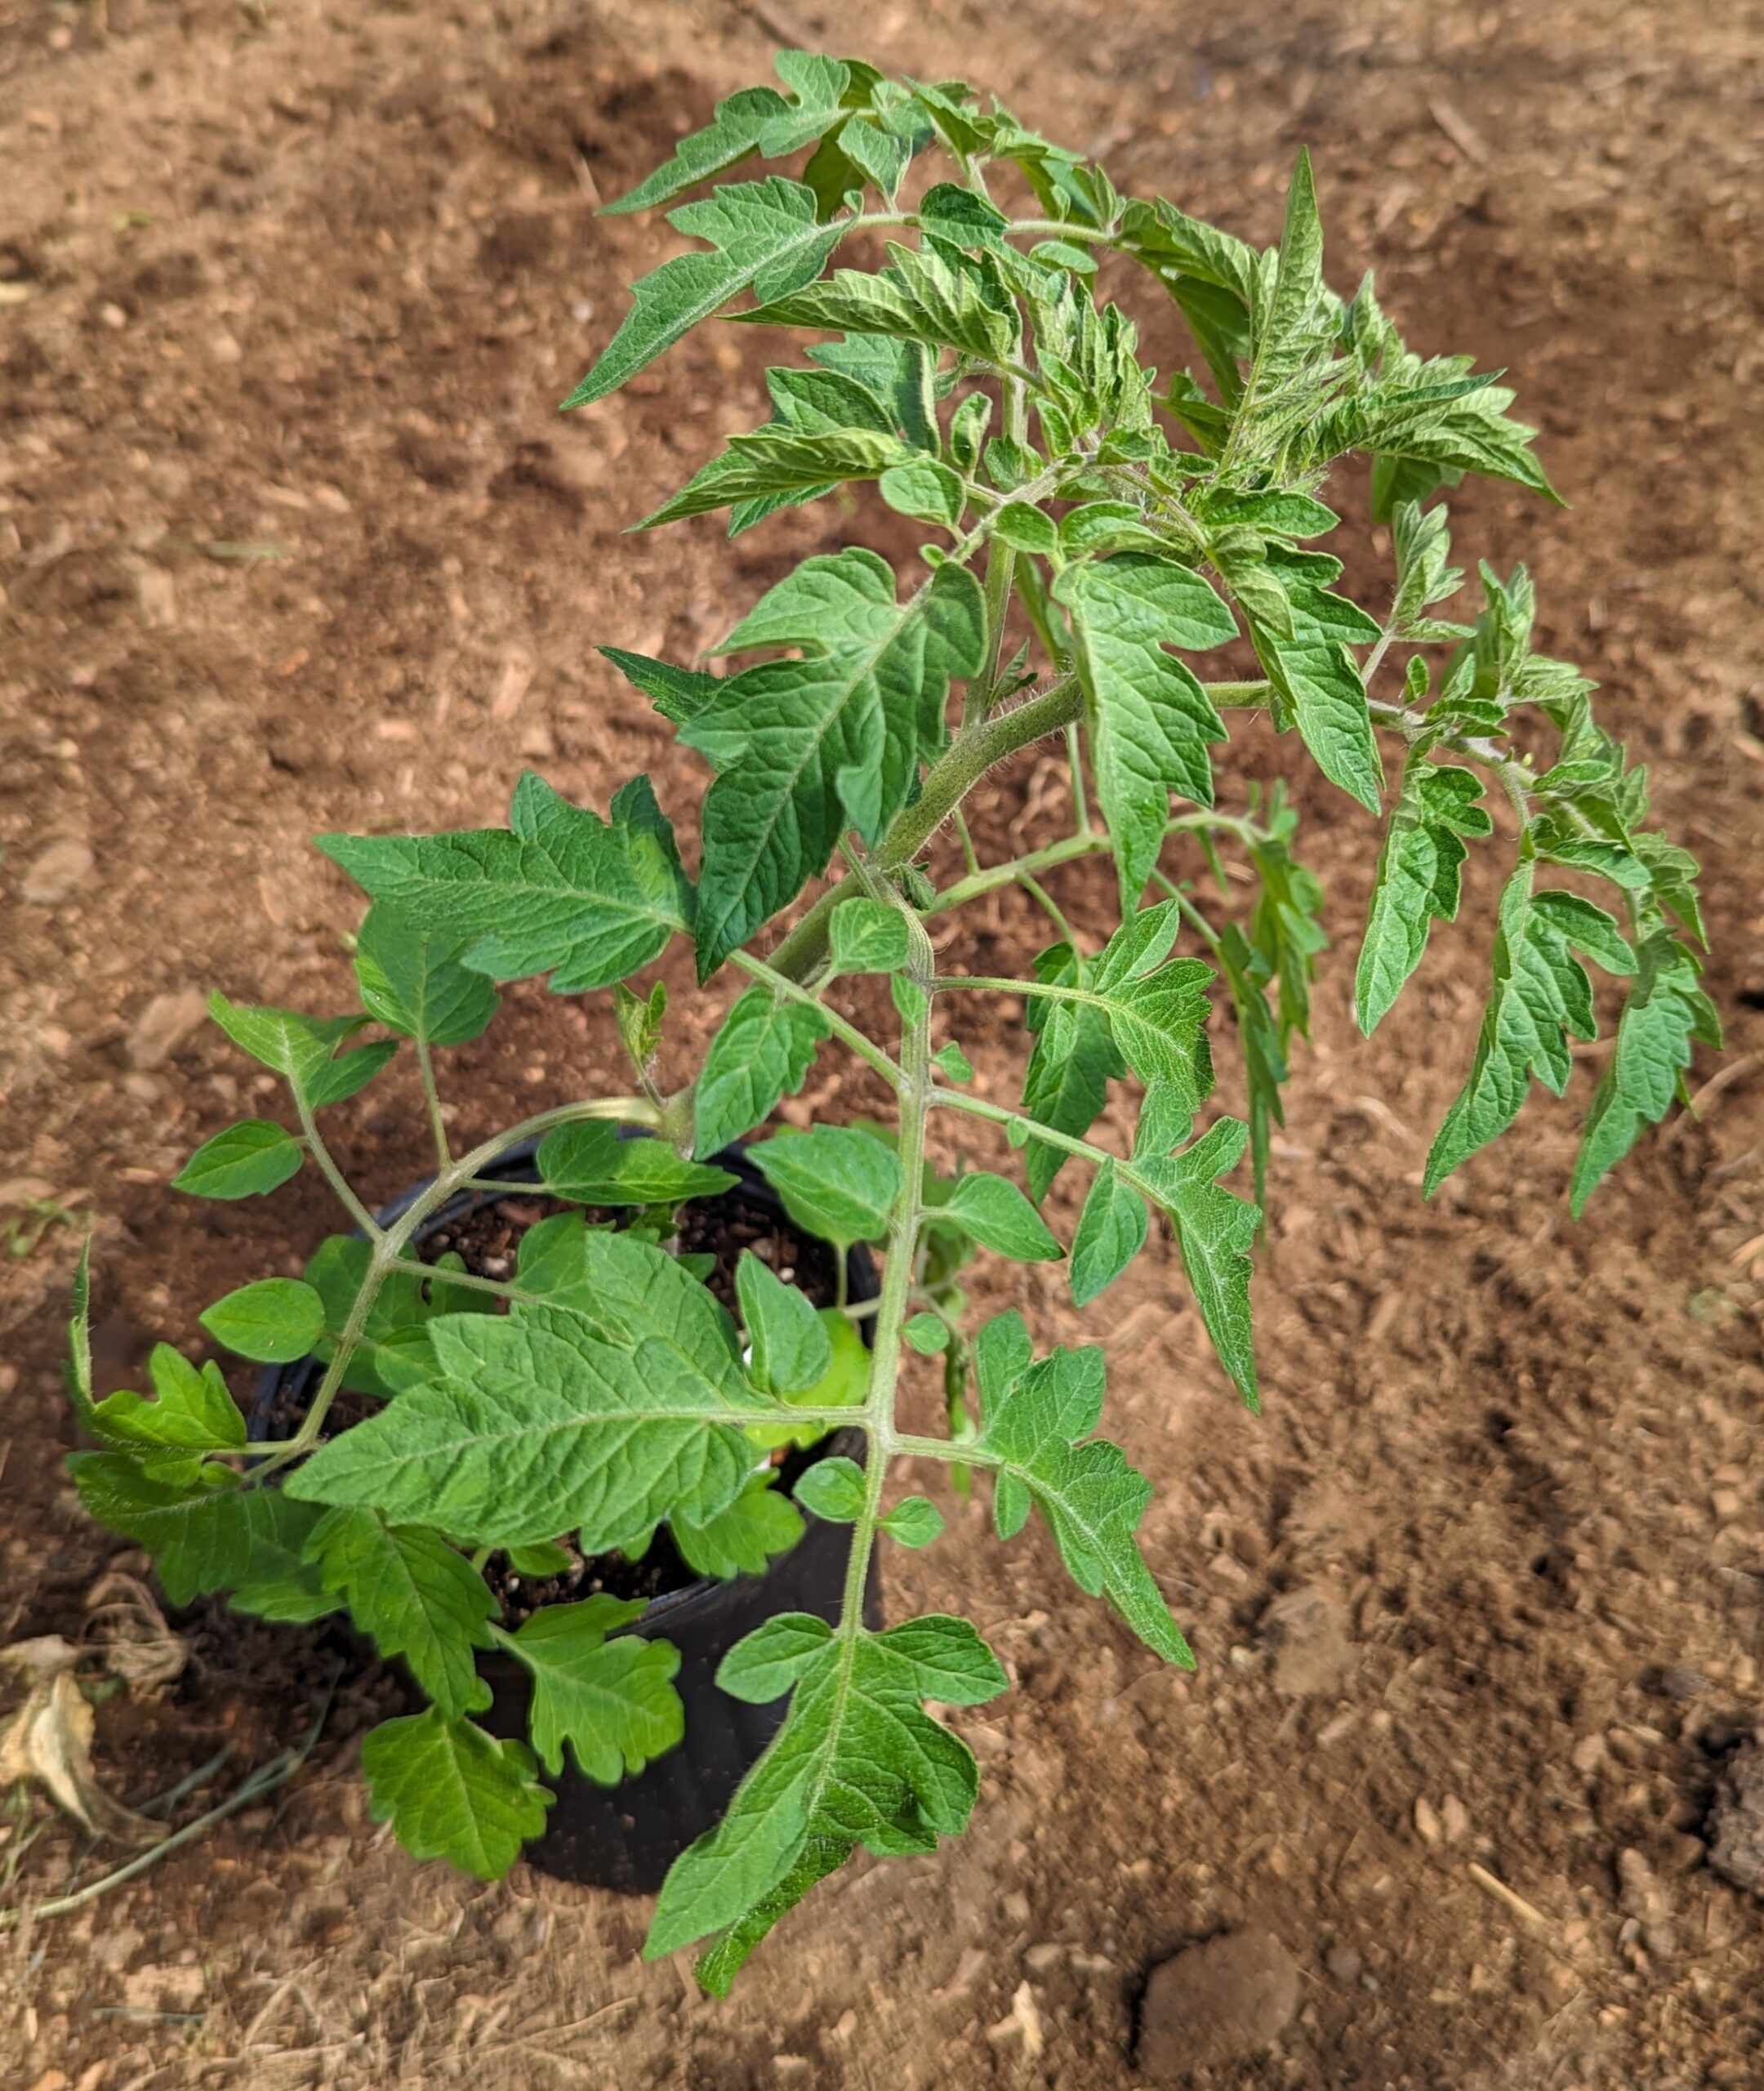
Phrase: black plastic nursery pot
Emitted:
{"points": [[626, 1837]]}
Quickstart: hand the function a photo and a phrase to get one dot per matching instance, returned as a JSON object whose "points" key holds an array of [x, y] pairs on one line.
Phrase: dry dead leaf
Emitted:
{"points": [[48, 1740]]}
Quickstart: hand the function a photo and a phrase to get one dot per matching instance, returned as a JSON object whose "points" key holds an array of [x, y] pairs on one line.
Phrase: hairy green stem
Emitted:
{"points": [[334, 1176], [896, 1276], [432, 1099]]}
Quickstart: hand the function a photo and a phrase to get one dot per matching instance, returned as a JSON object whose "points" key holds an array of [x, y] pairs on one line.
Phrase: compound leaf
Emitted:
{"points": [[1035, 1426], [1418, 878], [857, 1761], [1316, 681], [1215, 1231]]}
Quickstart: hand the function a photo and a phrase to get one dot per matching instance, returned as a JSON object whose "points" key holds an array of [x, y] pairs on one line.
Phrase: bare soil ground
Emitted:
{"points": [[291, 538]]}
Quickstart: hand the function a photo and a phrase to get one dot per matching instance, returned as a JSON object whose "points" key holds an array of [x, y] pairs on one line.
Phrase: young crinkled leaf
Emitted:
{"points": [[411, 980], [1035, 1425], [594, 1164], [836, 1181], [1541, 997], [613, 1702], [1318, 684], [763, 234], [1150, 719], [1295, 326], [415, 1595], [1666, 1013], [207, 1534], [558, 890], [762, 1053], [451, 1792], [934, 294], [248, 1159], [805, 748], [536, 1426], [1417, 877], [777, 465], [859, 1761]]}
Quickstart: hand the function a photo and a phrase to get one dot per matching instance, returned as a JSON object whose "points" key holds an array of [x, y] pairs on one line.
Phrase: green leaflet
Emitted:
{"points": [[776, 465], [557, 891], [253, 1157], [613, 1702], [303, 1049], [834, 1489], [1542, 995], [411, 980], [805, 748], [844, 1384], [915, 1522], [1035, 1426], [1216, 1231], [761, 234], [791, 1349], [415, 1595], [1155, 1010], [933, 294], [536, 1427], [1150, 719], [1418, 881], [857, 1761], [997, 1214], [742, 1539], [591, 1163], [1316, 679], [762, 1053], [677, 693], [732, 133], [1293, 326], [1666, 1012], [208, 1534], [450, 1792], [276, 1320], [1071, 1065], [192, 1414], [837, 1182], [1112, 1231]]}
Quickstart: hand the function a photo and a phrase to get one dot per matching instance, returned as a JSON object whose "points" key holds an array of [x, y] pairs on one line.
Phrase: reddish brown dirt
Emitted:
{"points": [[1481, 1589]]}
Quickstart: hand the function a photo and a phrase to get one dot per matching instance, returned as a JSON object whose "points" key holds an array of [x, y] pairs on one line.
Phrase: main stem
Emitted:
{"points": [[897, 1277]]}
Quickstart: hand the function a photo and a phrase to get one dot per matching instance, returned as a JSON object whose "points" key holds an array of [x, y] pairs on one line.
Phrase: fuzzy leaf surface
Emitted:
{"points": [[805, 748], [1418, 878], [558, 890]]}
